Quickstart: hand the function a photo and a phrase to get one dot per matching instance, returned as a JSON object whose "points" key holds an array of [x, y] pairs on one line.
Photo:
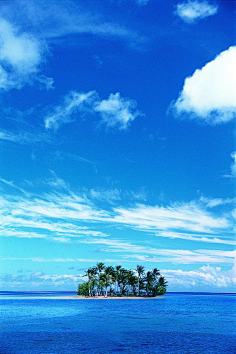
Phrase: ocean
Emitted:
{"points": [[37, 322]]}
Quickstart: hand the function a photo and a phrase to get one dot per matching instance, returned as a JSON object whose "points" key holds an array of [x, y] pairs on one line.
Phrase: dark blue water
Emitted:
{"points": [[176, 323]]}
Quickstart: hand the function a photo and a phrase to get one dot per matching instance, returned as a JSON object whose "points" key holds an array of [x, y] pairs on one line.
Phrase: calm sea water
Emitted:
{"points": [[33, 323]]}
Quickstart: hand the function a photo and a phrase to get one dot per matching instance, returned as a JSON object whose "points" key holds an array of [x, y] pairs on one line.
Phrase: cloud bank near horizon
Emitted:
{"points": [[203, 277]]}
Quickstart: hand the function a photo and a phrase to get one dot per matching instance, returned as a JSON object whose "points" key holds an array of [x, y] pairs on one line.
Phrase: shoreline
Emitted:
{"points": [[107, 298]]}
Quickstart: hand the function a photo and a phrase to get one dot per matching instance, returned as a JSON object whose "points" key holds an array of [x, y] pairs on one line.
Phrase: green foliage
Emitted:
{"points": [[118, 281], [160, 290], [83, 289]]}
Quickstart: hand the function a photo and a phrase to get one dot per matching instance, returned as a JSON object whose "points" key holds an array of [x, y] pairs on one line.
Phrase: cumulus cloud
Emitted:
{"points": [[192, 11], [116, 111], [205, 277], [202, 278], [25, 280], [209, 95], [20, 57]]}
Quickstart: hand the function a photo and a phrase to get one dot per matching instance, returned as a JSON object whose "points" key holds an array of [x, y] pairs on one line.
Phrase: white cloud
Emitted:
{"points": [[188, 217], [214, 202], [115, 111], [209, 95], [142, 2], [22, 53], [195, 237], [20, 57], [56, 19], [73, 102], [107, 195], [38, 280], [24, 137], [76, 158], [151, 254], [114, 195], [203, 278], [61, 215], [20, 50], [233, 166], [194, 10], [5, 81]]}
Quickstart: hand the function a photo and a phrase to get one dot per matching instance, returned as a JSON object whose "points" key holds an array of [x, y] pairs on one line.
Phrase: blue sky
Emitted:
{"points": [[117, 141]]}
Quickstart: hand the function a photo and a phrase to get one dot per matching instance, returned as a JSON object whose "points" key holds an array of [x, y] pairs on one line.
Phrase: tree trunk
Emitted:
{"points": [[89, 288]]}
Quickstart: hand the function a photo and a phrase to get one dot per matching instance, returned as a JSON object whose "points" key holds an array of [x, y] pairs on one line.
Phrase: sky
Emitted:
{"points": [[117, 141]]}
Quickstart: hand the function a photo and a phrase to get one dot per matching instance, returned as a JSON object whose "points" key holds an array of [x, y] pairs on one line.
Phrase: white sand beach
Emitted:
{"points": [[107, 298]]}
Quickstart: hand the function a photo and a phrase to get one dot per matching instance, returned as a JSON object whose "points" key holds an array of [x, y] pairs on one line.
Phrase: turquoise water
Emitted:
{"points": [[176, 323]]}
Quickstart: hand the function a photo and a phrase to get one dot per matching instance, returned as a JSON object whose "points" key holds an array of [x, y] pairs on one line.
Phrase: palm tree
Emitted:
{"points": [[117, 272], [132, 281], [101, 278], [110, 271], [122, 279], [159, 287], [162, 281], [100, 267], [140, 271], [154, 285], [156, 273], [107, 280], [100, 286], [94, 285], [90, 273], [150, 278], [162, 285]]}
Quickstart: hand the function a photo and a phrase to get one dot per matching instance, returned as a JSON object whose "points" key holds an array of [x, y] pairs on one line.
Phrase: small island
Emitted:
{"points": [[118, 282]]}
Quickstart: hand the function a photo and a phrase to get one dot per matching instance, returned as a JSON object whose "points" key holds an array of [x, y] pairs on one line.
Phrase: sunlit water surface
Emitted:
{"points": [[176, 323]]}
